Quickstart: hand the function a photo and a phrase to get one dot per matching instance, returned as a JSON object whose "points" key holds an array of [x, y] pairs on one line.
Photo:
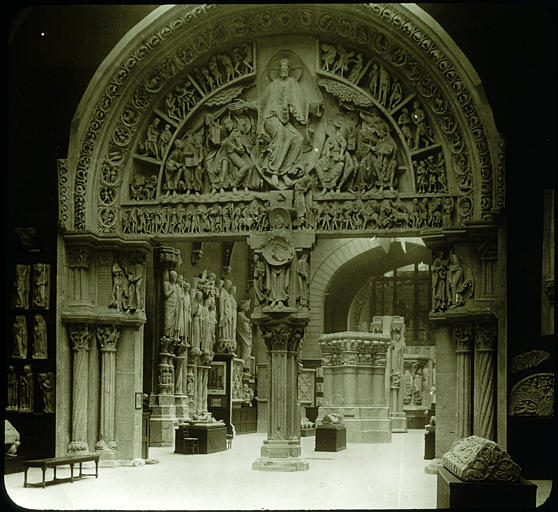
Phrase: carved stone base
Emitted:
{"points": [[453, 492], [280, 448], [182, 409], [398, 422], [364, 424], [163, 418], [280, 464], [78, 447]]}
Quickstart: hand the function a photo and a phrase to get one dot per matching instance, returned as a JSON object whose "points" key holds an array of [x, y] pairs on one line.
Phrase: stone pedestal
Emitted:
{"points": [[354, 366], [331, 438], [163, 417], [454, 493], [281, 450], [430, 443]]}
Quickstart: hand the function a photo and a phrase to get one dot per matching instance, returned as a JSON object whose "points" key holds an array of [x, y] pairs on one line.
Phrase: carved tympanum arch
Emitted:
{"points": [[384, 128]]}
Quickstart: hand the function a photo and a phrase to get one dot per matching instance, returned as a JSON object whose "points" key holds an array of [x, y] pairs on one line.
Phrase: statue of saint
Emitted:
{"points": [[302, 277], [197, 316], [12, 399], [244, 331], [135, 288], [439, 284], [456, 285], [26, 390], [397, 359], [260, 292], [47, 390], [39, 338], [171, 302], [187, 310], [226, 314], [209, 322], [21, 287], [117, 299]]}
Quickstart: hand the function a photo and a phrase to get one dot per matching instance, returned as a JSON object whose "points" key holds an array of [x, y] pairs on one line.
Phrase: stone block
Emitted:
{"points": [[454, 493], [331, 438], [475, 458]]}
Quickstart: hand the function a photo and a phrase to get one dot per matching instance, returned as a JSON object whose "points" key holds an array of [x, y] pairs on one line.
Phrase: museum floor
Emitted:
{"points": [[364, 476]]}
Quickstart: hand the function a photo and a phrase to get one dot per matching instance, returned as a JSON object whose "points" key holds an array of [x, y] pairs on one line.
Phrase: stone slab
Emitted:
{"points": [[280, 464], [455, 493]]}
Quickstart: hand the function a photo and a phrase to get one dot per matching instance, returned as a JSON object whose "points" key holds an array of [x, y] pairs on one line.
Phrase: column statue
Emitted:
{"points": [[171, 301], [244, 331]]}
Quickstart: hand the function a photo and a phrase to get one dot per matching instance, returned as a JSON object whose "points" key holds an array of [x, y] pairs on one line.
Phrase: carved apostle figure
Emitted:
{"points": [[187, 310], [41, 278], [20, 299], [439, 284], [19, 331], [302, 280], [397, 358], [179, 328], [455, 282], [26, 390], [278, 284], [197, 316], [39, 338], [209, 323], [244, 331], [225, 312], [171, 303]]}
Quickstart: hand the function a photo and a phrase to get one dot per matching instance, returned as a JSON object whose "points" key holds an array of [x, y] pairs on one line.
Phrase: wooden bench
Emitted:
{"points": [[54, 462]]}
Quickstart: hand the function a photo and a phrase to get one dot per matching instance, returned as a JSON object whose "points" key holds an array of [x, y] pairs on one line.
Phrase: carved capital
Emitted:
{"points": [[79, 257], [108, 336], [282, 336], [463, 335], [80, 335], [169, 257], [486, 336]]}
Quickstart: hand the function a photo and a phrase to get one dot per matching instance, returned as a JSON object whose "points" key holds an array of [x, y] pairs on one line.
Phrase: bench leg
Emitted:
{"points": [[44, 471], [96, 469], [72, 473], [54, 472], [80, 469], [25, 478]]}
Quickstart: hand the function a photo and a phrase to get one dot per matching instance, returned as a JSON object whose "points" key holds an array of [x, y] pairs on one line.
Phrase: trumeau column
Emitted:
{"points": [[108, 336], [486, 335], [281, 450], [80, 336], [463, 335]]}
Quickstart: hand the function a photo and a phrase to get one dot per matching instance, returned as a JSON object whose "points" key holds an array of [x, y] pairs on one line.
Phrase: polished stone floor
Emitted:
{"points": [[364, 476]]}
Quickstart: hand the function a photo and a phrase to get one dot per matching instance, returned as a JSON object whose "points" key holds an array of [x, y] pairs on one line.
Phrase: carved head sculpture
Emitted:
{"points": [[227, 285], [173, 276], [180, 280], [245, 305], [228, 123], [187, 286]]}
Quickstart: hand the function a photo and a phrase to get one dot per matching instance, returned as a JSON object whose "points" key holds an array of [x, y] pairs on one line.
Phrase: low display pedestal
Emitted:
{"points": [[212, 437], [13, 464], [307, 432], [429, 442], [453, 492], [331, 438], [416, 417]]}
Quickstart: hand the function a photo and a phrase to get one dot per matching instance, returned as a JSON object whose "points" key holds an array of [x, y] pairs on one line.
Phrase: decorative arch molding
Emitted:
{"points": [[157, 55]]}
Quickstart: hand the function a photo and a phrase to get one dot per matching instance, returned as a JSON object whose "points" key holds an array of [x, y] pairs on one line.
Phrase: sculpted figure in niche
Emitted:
{"points": [[41, 285], [386, 161], [39, 338], [134, 272], [303, 201], [302, 280], [20, 298], [118, 295], [397, 357], [26, 390], [439, 284], [277, 282], [456, 283], [334, 159], [19, 331], [260, 291], [171, 302], [329, 52], [423, 133], [151, 143], [174, 169], [12, 396], [179, 329], [46, 387], [187, 310], [244, 332]]}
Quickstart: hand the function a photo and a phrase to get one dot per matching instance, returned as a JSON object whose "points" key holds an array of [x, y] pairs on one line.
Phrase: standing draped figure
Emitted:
{"points": [[244, 331], [171, 301]]}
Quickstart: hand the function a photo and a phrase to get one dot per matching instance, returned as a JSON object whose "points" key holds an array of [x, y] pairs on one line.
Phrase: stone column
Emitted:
{"points": [[463, 335], [80, 335], [108, 336], [281, 450], [162, 403], [486, 334]]}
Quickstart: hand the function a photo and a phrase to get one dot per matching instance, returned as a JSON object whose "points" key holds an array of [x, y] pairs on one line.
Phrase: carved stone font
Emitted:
{"points": [[477, 459]]}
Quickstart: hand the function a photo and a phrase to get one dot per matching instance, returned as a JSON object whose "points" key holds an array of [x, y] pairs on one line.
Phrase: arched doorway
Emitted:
{"points": [[365, 121]]}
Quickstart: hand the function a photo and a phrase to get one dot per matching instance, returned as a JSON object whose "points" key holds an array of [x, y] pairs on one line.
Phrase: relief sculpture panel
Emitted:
{"points": [[354, 139]]}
